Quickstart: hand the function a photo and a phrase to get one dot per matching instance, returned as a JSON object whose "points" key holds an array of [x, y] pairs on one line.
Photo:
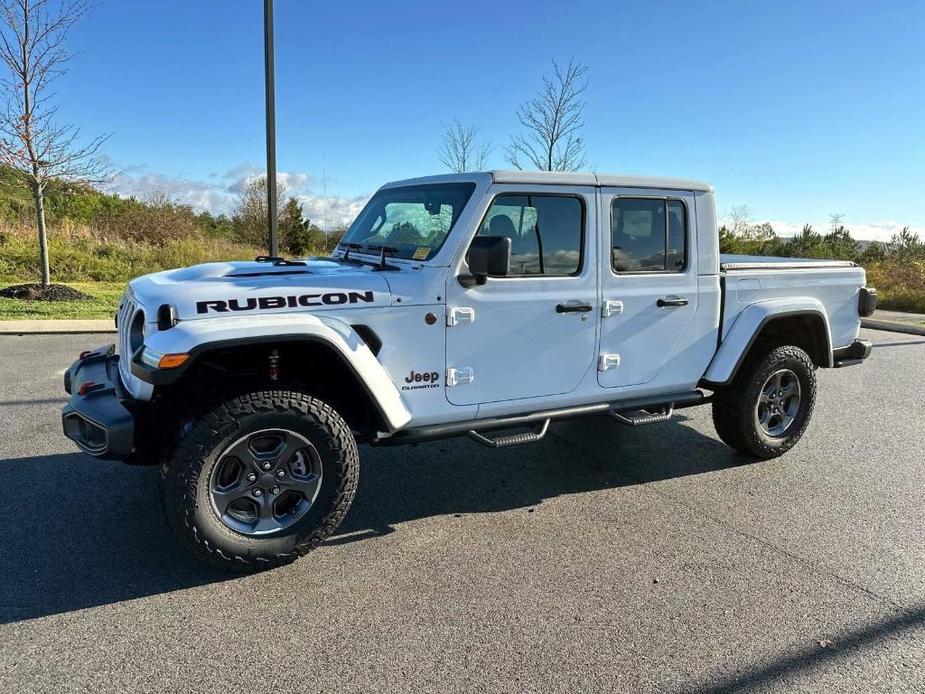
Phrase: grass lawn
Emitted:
{"points": [[105, 301]]}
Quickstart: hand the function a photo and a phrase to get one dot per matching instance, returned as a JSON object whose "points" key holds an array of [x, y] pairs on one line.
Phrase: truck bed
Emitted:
{"points": [[834, 283]]}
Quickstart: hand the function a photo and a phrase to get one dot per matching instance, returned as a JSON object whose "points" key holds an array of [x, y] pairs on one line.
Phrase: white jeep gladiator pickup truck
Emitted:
{"points": [[455, 305]]}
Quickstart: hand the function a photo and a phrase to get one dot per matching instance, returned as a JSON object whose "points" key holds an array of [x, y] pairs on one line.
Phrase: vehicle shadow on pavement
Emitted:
{"points": [[82, 533], [90, 533], [459, 476]]}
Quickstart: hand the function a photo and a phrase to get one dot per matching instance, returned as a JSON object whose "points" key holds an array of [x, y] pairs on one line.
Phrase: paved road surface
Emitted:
{"points": [[603, 559]]}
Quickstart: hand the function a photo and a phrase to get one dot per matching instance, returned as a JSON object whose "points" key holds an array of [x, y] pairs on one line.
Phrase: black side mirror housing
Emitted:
{"points": [[488, 256]]}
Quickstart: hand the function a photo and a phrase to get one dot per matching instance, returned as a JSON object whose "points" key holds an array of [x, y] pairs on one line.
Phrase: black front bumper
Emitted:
{"points": [[97, 418], [855, 353]]}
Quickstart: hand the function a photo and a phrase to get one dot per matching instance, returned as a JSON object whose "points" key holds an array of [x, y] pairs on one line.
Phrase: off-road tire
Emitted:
{"points": [[734, 405], [185, 479]]}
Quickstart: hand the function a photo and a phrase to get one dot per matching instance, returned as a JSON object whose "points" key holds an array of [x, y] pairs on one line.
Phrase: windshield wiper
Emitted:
{"points": [[349, 247], [391, 250], [383, 251]]}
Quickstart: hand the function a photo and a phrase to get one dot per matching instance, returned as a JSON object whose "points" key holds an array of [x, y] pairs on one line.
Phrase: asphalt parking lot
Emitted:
{"points": [[602, 559]]}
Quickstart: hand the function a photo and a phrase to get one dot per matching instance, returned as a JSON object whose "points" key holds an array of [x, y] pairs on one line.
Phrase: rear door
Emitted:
{"points": [[532, 333], [648, 282]]}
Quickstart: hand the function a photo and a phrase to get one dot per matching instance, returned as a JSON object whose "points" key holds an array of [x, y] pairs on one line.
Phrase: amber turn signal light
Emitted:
{"points": [[172, 361]]}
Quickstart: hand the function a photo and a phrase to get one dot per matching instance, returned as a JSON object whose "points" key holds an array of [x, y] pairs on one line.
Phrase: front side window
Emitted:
{"points": [[414, 220], [546, 232], [649, 235]]}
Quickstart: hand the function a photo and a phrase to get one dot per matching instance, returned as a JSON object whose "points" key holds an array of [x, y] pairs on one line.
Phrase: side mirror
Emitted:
{"points": [[488, 256]]}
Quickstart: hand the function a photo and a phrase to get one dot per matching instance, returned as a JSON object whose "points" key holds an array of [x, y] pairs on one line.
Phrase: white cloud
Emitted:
{"points": [[862, 231], [199, 195], [219, 194], [340, 210]]}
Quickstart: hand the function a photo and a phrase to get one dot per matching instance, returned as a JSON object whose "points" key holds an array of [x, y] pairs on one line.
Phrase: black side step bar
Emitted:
{"points": [[445, 431]]}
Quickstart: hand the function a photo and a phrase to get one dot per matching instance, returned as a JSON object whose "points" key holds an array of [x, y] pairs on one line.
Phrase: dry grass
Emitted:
{"points": [[79, 254]]}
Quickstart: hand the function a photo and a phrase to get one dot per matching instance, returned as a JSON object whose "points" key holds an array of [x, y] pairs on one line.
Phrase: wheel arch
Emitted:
{"points": [[802, 323], [326, 356]]}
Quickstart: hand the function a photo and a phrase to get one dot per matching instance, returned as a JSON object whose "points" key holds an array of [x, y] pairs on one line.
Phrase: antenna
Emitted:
{"points": [[270, 83]]}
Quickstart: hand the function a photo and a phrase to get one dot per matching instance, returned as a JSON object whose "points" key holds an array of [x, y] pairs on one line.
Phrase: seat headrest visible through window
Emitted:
{"points": [[501, 225]]}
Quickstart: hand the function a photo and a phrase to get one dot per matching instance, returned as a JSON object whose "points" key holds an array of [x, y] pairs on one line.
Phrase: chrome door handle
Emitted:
{"points": [[573, 308], [671, 301]]}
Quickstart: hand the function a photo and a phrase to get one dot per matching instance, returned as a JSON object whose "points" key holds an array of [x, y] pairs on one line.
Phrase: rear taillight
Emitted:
{"points": [[867, 301]]}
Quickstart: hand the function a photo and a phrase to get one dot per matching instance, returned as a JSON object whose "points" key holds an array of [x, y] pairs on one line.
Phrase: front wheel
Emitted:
{"points": [[260, 480], [767, 407]]}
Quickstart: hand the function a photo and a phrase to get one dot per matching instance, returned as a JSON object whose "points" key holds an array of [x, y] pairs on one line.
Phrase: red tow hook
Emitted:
{"points": [[87, 386]]}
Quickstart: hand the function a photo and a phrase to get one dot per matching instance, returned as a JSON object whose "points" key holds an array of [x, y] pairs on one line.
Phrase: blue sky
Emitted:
{"points": [[795, 109]]}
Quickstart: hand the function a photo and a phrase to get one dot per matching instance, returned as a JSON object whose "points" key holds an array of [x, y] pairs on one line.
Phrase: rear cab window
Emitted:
{"points": [[648, 235]]}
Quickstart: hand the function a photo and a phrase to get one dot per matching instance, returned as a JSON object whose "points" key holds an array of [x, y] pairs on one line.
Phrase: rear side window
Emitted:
{"points": [[649, 235], [546, 232]]}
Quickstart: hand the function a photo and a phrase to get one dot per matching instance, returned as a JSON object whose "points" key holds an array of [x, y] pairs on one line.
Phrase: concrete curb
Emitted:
{"points": [[55, 327], [892, 326]]}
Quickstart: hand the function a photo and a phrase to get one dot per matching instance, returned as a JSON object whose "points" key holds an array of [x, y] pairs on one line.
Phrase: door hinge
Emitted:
{"points": [[460, 314], [608, 361], [457, 377], [611, 307]]}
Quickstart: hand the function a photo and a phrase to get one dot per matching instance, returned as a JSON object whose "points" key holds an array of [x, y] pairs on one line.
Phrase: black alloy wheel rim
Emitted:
{"points": [[265, 482]]}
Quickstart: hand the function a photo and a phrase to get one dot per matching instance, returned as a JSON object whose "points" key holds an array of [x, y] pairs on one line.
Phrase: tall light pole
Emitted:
{"points": [[270, 82]]}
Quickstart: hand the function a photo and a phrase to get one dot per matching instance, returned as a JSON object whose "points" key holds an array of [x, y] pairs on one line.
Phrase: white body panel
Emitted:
{"points": [[835, 288], [746, 325], [518, 346], [188, 335], [644, 335], [508, 351]]}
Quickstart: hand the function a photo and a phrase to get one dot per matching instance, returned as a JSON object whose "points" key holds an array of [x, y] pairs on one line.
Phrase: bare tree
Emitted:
{"points": [[32, 141], [459, 150], [740, 219], [552, 121]]}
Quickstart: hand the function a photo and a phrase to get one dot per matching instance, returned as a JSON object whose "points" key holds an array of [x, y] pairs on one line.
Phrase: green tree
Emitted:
{"points": [[728, 241], [806, 244], [874, 253], [249, 218], [838, 244], [905, 246], [299, 236], [216, 226]]}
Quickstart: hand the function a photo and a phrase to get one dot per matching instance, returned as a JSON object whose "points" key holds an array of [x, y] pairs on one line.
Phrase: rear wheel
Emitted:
{"points": [[260, 480], [767, 407]]}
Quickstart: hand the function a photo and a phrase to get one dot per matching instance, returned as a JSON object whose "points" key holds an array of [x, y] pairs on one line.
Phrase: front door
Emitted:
{"points": [[532, 333], [648, 284]]}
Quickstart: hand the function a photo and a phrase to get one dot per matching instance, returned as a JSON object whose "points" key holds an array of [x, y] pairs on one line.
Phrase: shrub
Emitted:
{"points": [[900, 284]]}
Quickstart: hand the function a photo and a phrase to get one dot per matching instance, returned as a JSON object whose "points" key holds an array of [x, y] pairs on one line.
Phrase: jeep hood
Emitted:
{"points": [[242, 288]]}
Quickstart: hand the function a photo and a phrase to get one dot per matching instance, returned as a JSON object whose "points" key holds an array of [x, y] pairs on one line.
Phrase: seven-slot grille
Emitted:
{"points": [[126, 314]]}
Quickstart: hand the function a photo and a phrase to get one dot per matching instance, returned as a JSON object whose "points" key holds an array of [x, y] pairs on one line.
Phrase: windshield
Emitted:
{"points": [[413, 221]]}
